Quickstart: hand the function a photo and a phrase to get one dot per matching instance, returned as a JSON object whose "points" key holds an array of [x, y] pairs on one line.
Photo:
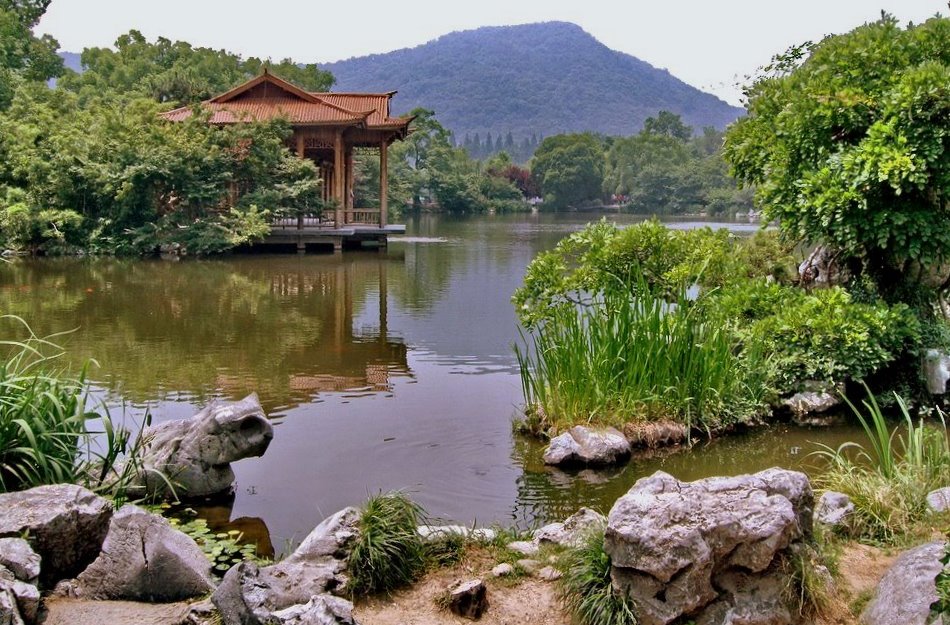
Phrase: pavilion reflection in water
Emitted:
{"points": [[353, 350]]}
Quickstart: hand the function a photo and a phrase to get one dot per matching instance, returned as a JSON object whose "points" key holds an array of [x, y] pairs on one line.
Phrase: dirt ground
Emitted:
{"points": [[522, 601]]}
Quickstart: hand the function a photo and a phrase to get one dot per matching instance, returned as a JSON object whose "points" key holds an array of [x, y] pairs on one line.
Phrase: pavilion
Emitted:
{"points": [[327, 128]]}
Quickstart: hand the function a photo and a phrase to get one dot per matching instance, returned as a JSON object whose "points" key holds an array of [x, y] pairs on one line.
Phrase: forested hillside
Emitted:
{"points": [[532, 80]]}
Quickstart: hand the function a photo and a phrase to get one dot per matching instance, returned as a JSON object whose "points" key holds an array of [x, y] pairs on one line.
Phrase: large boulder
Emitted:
{"points": [[251, 595], [712, 549], [587, 446], [936, 370], [905, 593], [64, 524], [145, 559], [193, 457]]}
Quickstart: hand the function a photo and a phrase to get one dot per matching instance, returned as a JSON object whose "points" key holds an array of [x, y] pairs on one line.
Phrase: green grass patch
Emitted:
{"points": [[627, 357], [889, 476], [389, 553], [585, 589]]}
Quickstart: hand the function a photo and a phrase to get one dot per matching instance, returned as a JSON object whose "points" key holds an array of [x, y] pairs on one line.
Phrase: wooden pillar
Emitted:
{"points": [[338, 173], [348, 190], [301, 155], [383, 183]]}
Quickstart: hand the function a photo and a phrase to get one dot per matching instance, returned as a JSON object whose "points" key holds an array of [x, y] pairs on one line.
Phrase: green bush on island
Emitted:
{"points": [[649, 323]]}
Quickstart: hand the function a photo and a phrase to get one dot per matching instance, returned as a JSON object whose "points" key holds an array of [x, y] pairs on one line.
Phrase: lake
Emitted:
{"points": [[381, 370]]}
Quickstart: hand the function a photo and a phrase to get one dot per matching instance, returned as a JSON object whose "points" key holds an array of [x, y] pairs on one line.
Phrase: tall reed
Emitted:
{"points": [[45, 434], [888, 479], [636, 357]]}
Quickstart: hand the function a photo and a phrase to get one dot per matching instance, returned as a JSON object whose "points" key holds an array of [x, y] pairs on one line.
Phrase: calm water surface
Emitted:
{"points": [[381, 370]]}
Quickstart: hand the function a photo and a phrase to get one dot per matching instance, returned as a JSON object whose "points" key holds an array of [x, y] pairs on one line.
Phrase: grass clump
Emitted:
{"points": [[45, 433], [888, 478], [627, 356], [585, 589], [389, 553], [941, 607]]}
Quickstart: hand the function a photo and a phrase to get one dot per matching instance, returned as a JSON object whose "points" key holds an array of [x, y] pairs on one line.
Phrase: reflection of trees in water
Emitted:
{"points": [[548, 494], [280, 326]]}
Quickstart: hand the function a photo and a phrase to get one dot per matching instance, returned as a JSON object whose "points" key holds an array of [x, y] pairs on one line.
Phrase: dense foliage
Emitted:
{"points": [[570, 170], [23, 56], [648, 323], [847, 143], [531, 81], [91, 165]]}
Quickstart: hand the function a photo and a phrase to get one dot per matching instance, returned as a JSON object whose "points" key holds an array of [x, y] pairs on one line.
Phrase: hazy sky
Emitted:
{"points": [[710, 44]]}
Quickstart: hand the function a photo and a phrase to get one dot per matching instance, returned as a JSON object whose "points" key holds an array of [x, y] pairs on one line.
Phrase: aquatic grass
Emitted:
{"points": [[45, 434], [626, 357], [889, 484], [388, 553], [585, 589]]}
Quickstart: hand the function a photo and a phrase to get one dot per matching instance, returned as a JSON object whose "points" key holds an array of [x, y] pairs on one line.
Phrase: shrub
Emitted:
{"points": [[389, 552], [584, 588]]}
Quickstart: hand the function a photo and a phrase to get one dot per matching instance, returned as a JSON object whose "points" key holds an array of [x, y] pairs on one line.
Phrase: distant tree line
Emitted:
{"points": [[519, 150]]}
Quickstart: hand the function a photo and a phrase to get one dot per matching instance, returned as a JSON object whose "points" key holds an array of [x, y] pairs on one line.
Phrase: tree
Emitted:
{"points": [[23, 56], [669, 124], [847, 142], [570, 169]]}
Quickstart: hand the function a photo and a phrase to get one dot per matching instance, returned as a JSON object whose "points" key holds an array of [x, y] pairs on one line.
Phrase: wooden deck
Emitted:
{"points": [[314, 233]]}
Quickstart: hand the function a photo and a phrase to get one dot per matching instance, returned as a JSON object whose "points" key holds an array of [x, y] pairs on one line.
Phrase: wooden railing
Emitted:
{"points": [[362, 216], [352, 216]]}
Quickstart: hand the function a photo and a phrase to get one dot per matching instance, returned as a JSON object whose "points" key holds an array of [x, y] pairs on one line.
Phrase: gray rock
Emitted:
{"points": [[469, 599], [502, 570], [320, 610], [17, 555], [432, 533], [26, 597], [904, 594], [145, 559], [524, 547], [64, 524], [936, 370], [549, 574], [588, 446], [673, 545], [9, 612], [817, 398], [196, 454], [834, 510], [938, 501], [250, 595], [573, 530], [822, 269]]}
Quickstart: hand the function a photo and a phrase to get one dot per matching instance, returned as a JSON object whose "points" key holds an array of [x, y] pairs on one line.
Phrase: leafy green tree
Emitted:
{"points": [[23, 56], [570, 169], [847, 143], [669, 124], [177, 72]]}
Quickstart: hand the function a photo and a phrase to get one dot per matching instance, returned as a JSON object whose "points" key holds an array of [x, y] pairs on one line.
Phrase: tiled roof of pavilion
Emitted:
{"points": [[269, 97]]}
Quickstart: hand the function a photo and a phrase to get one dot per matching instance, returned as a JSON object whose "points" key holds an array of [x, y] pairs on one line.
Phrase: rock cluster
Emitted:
{"points": [[713, 550], [299, 588], [193, 457]]}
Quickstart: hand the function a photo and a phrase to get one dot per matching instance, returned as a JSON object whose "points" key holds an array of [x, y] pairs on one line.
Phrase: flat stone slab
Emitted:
{"points": [[73, 612]]}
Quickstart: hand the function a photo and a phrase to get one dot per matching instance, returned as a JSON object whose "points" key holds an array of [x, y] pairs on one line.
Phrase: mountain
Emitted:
{"points": [[538, 79]]}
